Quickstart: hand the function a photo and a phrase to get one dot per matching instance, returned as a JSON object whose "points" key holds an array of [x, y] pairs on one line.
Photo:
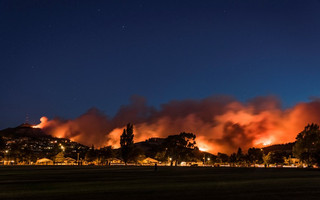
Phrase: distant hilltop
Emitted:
{"points": [[24, 130], [25, 143], [25, 125], [279, 147]]}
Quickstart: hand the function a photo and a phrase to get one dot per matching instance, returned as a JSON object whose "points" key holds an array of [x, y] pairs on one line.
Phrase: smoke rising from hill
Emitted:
{"points": [[221, 123]]}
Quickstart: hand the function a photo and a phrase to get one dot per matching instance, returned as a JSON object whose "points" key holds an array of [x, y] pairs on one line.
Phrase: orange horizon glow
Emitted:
{"points": [[232, 126], [114, 136]]}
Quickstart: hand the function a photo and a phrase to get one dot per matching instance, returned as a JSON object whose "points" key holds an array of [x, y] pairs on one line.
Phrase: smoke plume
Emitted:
{"points": [[221, 123]]}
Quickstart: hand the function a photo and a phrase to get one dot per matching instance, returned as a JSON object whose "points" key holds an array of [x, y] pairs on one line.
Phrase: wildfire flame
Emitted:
{"points": [[43, 122], [221, 124], [266, 143]]}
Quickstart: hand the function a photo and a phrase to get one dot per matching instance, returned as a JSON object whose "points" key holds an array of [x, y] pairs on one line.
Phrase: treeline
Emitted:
{"points": [[182, 147], [173, 150]]}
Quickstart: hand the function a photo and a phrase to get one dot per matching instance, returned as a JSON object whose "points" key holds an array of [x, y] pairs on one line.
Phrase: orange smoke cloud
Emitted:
{"points": [[222, 124], [43, 122]]}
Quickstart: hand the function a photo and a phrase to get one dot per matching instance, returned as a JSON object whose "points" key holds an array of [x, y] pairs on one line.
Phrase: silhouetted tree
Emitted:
{"points": [[103, 154], [275, 157], [180, 146], [126, 142], [308, 144], [255, 155], [198, 155], [240, 156], [233, 159], [137, 155], [316, 158], [213, 159], [222, 157], [91, 155], [161, 156]]}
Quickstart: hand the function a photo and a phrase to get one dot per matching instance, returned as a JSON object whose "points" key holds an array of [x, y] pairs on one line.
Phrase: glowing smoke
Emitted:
{"points": [[221, 123]]}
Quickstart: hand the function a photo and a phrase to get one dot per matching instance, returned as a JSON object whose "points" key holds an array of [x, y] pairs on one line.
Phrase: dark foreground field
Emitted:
{"points": [[63, 182]]}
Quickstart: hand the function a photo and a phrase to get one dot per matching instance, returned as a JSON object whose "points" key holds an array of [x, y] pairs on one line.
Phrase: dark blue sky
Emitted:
{"points": [[60, 58]]}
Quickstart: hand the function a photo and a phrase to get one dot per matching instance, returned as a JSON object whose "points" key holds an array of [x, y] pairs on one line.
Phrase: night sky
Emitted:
{"points": [[60, 58]]}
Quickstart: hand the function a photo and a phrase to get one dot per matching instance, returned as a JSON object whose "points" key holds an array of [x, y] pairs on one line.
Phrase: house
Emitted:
{"points": [[59, 159], [115, 161], [70, 161], [44, 161], [149, 161]]}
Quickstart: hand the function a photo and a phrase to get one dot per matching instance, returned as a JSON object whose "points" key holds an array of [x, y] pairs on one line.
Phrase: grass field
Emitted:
{"points": [[89, 182]]}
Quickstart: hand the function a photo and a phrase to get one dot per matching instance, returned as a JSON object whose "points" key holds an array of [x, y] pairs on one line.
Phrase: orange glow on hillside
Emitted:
{"points": [[43, 121], [220, 124], [202, 149], [266, 143]]}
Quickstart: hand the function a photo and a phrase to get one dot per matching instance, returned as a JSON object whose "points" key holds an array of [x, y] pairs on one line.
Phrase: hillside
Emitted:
{"points": [[24, 130], [27, 143], [279, 147]]}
